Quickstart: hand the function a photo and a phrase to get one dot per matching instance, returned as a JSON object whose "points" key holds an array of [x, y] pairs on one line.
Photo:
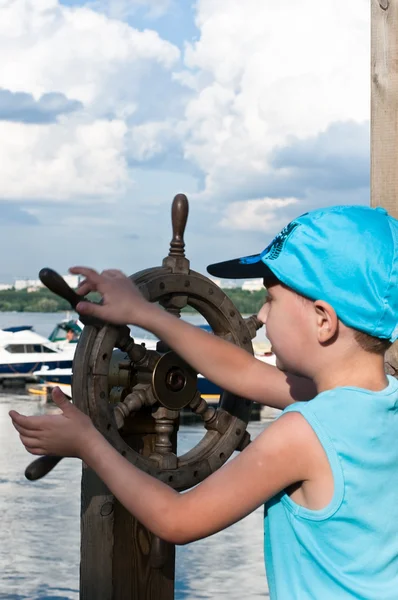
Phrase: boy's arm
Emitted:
{"points": [[229, 366], [287, 452], [282, 455], [223, 363]]}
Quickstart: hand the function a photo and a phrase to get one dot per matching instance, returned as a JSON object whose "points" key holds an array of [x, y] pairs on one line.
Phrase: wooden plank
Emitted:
{"points": [[136, 576], [117, 553], [96, 547], [97, 504], [384, 120], [384, 106]]}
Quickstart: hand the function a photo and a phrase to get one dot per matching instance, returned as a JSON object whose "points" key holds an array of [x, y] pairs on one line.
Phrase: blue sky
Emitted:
{"points": [[258, 111]]}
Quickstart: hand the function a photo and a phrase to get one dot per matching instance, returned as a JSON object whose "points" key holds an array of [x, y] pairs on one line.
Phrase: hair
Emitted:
{"points": [[372, 344], [270, 279], [367, 342]]}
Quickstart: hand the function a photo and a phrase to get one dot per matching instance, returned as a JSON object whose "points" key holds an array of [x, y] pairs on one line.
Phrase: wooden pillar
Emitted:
{"points": [[384, 119], [384, 111], [120, 559]]}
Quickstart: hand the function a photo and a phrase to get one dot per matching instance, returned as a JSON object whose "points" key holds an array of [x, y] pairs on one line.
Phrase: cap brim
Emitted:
{"points": [[235, 269]]}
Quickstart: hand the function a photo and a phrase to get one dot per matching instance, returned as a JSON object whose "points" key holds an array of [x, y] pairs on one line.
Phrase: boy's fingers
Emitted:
{"points": [[36, 451], [31, 423], [91, 274], [84, 288], [24, 431], [89, 308], [61, 400], [30, 442], [113, 273]]}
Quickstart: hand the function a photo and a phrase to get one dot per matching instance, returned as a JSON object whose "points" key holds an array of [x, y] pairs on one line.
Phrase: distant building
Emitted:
{"points": [[5, 286], [32, 285], [72, 280], [226, 284], [253, 285], [215, 281], [229, 284]]}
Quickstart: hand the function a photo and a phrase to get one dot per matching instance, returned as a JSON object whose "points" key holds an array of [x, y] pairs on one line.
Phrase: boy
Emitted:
{"points": [[327, 468]]}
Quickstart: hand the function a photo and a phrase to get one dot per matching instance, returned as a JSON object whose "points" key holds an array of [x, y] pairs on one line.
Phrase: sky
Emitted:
{"points": [[258, 111]]}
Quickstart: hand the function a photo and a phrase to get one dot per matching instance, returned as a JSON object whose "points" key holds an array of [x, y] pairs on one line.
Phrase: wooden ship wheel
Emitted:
{"points": [[135, 395]]}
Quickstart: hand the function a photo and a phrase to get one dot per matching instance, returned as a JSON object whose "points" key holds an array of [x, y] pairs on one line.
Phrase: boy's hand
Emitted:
{"points": [[122, 302], [66, 434]]}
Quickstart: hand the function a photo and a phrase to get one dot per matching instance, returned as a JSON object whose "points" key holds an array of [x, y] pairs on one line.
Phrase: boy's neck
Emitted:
{"points": [[365, 371]]}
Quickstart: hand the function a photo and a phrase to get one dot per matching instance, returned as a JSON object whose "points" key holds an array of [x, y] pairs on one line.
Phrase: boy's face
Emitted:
{"points": [[287, 318]]}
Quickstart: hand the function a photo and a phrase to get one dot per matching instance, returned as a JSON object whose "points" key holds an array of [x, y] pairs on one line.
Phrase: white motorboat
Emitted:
{"points": [[62, 377], [23, 351]]}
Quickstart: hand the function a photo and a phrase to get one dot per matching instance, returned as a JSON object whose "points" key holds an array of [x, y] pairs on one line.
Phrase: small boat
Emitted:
{"points": [[66, 332], [62, 378], [210, 391], [23, 351]]}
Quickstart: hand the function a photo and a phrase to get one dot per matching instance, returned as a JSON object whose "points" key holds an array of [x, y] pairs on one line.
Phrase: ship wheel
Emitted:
{"points": [[115, 380]]}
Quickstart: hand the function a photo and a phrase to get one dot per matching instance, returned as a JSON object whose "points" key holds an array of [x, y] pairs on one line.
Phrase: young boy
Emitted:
{"points": [[327, 468]]}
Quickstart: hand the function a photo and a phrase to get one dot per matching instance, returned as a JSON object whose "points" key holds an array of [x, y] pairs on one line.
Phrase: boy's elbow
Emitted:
{"points": [[175, 523], [177, 535], [177, 530], [178, 540]]}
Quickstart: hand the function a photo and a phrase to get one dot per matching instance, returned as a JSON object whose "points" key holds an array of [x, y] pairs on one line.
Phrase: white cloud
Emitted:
{"points": [[76, 51], [152, 138], [260, 73], [66, 160], [47, 47], [266, 71], [263, 215]]}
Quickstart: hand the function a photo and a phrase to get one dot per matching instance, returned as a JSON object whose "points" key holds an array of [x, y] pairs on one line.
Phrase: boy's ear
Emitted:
{"points": [[326, 320]]}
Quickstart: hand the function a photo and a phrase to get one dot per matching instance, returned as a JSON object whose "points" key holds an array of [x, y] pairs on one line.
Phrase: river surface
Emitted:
{"points": [[40, 524]]}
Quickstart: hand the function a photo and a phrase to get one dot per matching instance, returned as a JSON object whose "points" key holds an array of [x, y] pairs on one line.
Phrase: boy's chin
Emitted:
{"points": [[279, 364], [282, 367]]}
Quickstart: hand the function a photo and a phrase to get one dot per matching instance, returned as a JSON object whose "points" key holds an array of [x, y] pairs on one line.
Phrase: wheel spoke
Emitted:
{"points": [[253, 324], [166, 422], [139, 397], [124, 340], [136, 352], [199, 406], [174, 304]]}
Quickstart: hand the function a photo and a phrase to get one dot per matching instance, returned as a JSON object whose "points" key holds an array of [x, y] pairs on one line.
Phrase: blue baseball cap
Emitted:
{"points": [[344, 255]]}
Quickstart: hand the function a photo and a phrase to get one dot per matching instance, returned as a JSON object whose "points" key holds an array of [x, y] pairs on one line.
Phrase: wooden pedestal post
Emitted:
{"points": [[384, 120], [120, 559]]}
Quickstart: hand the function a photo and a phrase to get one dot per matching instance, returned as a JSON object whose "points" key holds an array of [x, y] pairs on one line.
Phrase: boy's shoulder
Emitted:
{"points": [[340, 393], [293, 435], [346, 411]]}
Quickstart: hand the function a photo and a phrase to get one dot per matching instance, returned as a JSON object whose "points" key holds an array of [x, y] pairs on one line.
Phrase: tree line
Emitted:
{"points": [[45, 301]]}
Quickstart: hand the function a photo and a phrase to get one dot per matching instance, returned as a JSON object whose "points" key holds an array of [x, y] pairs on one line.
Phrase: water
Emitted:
{"points": [[40, 525], [44, 323]]}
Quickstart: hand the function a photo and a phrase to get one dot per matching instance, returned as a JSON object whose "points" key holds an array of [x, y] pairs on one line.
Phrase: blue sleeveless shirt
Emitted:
{"points": [[349, 549]]}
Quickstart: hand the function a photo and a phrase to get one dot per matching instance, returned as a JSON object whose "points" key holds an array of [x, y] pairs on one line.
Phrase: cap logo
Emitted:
{"points": [[274, 249]]}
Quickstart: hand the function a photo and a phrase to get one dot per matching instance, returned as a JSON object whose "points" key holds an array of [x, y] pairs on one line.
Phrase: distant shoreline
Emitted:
{"points": [[44, 301]]}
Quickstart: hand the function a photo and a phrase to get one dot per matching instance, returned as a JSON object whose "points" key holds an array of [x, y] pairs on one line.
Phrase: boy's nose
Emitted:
{"points": [[262, 314]]}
